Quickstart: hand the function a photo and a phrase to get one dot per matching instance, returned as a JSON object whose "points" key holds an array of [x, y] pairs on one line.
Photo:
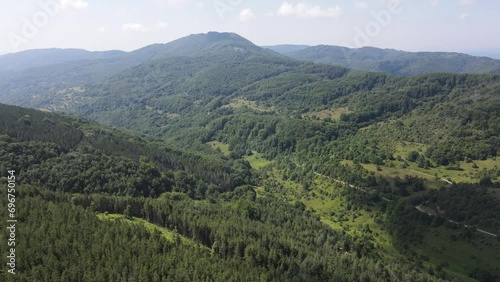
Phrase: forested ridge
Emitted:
{"points": [[278, 170], [392, 61], [246, 237]]}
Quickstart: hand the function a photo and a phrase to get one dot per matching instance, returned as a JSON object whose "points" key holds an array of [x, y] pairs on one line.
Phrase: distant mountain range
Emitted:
{"points": [[493, 53], [391, 61], [286, 49], [43, 57], [199, 66]]}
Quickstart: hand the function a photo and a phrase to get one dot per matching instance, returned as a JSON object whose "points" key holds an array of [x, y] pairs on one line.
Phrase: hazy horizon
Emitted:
{"points": [[431, 25], [493, 53]]}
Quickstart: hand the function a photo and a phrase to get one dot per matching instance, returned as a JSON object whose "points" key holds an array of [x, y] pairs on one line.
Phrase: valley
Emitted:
{"points": [[210, 158]]}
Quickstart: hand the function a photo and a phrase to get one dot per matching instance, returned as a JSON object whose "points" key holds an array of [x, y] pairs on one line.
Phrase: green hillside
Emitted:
{"points": [[210, 233], [278, 170], [392, 61]]}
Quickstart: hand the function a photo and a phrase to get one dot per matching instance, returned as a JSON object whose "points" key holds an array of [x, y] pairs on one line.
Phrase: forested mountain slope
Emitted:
{"points": [[286, 48], [318, 169], [55, 142], [74, 176], [182, 96], [26, 81], [393, 61]]}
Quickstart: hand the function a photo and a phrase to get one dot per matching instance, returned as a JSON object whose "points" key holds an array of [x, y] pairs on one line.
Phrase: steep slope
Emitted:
{"points": [[194, 80], [62, 184], [188, 72], [324, 150], [37, 86], [67, 139], [397, 62]]}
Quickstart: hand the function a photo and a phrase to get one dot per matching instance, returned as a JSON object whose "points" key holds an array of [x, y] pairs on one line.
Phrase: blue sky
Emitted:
{"points": [[412, 25]]}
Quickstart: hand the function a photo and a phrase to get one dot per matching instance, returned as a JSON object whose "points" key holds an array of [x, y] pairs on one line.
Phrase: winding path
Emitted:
{"points": [[425, 210]]}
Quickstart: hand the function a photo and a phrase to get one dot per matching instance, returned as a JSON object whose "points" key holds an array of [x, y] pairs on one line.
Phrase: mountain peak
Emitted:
{"points": [[213, 39], [210, 43], [219, 36]]}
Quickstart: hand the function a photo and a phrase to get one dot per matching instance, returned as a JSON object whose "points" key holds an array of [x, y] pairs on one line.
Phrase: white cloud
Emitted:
{"points": [[76, 4], [134, 27], [308, 11], [463, 16], [434, 3], [161, 25], [467, 2], [247, 15], [361, 5], [101, 29]]}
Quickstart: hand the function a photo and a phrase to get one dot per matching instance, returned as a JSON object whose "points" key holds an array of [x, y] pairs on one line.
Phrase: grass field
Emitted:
{"points": [[455, 255], [257, 160], [330, 205], [224, 148], [242, 103], [435, 177], [466, 174], [324, 199], [166, 233], [404, 148]]}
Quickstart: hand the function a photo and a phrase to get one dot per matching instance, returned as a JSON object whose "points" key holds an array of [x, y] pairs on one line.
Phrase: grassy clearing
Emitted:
{"points": [[458, 258], [435, 177], [333, 114], [466, 174], [404, 148], [166, 233], [242, 103], [172, 116], [257, 160], [224, 148], [325, 200]]}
